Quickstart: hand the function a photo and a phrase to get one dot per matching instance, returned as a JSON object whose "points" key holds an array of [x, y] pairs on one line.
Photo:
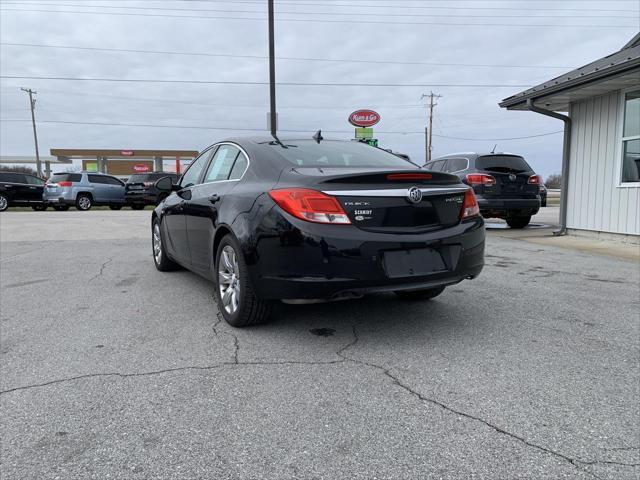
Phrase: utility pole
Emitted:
{"points": [[32, 104], [272, 74], [429, 147]]}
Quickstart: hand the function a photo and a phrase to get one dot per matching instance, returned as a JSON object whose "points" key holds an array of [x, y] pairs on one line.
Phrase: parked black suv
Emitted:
{"points": [[504, 183], [140, 189], [21, 189]]}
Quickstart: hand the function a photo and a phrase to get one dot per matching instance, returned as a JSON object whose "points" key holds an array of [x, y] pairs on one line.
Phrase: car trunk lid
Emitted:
{"points": [[393, 201]]}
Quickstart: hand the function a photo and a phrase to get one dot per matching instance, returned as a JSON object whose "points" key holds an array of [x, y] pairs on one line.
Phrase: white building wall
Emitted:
{"points": [[596, 201]]}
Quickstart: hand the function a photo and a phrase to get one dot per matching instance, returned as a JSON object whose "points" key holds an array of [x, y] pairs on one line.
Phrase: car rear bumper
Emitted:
{"points": [[140, 197], [301, 260], [503, 206], [59, 197]]}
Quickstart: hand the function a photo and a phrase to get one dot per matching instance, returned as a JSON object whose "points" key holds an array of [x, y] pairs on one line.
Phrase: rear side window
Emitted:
{"points": [[239, 167], [65, 177], [456, 164], [436, 166], [97, 179], [13, 177], [104, 180], [222, 163], [502, 163]]}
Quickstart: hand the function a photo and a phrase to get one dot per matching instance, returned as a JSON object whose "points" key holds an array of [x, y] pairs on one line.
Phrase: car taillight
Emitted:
{"points": [[409, 176], [310, 205], [480, 179], [535, 180], [148, 184], [65, 184], [470, 206]]}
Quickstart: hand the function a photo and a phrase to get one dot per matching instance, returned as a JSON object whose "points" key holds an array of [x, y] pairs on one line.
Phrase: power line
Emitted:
{"points": [[499, 139], [314, 20], [244, 129], [396, 6], [260, 57], [349, 14], [222, 82]]}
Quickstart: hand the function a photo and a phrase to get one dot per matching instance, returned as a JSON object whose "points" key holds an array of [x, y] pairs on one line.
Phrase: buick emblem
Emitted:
{"points": [[414, 195], [512, 177]]}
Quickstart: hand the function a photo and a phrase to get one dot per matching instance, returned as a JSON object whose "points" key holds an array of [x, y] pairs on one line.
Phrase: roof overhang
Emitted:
{"points": [[614, 72], [125, 154]]}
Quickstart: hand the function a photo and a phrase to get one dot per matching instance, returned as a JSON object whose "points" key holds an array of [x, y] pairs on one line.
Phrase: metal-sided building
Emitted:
{"points": [[601, 158]]}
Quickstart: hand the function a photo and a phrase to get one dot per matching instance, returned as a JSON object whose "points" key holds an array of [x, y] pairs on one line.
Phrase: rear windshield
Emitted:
{"points": [[331, 153], [149, 177], [502, 163], [65, 177]]}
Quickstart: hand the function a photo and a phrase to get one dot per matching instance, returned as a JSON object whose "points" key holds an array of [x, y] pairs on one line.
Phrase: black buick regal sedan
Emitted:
{"points": [[315, 220]]}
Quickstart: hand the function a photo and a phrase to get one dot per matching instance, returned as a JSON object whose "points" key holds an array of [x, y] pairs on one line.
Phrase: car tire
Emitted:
{"points": [[236, 299], [426, 294], [84, 202], [39, 208], [61, 208], [519, 221], [4, 202], [162, 262], [115, 207], [137, 207]]}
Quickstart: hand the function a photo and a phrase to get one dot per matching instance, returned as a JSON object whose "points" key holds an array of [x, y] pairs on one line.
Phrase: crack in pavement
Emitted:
{"points": [[424, 398], [102, 267], [579, 464], [166, 370]]}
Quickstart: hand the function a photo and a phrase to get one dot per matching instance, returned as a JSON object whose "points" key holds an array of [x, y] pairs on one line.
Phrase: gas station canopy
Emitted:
{"points": [[123, 162]]}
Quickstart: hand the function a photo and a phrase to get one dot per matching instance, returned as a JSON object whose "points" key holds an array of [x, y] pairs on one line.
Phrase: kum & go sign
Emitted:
{"points": [[364, 118]]}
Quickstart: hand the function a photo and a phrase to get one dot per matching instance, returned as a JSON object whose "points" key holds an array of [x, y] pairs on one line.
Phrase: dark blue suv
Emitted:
{"points": [[505, 185]]}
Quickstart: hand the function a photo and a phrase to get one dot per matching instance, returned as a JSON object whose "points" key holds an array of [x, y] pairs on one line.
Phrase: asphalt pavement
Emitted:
{"points": [[111, 369]]}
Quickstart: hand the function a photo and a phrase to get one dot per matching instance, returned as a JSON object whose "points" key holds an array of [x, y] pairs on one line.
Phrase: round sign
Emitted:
{"points": [[364, 118], [141, 167]]}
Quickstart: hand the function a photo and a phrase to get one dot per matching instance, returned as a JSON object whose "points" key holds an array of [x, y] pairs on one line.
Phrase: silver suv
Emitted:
{"points": [[83, 190]]}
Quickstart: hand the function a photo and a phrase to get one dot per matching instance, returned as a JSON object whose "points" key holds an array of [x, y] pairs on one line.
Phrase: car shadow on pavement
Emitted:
{"points": [[393, 318]]}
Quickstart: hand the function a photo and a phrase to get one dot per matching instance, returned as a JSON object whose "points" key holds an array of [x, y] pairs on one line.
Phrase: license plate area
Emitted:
{"points": [[413, 263]]}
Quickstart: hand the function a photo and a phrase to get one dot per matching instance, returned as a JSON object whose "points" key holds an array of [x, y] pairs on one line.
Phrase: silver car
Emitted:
{"points": [[83, 190]]}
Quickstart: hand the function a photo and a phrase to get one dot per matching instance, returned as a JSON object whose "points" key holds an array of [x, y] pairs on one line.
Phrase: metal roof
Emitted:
{"points": [[613, 72]]}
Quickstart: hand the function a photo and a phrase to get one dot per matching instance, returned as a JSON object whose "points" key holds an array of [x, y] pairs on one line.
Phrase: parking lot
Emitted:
{"points": [[111, 369]]}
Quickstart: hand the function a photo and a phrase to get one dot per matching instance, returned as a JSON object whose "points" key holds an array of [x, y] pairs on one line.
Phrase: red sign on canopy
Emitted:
{"points": [[126, 153]]}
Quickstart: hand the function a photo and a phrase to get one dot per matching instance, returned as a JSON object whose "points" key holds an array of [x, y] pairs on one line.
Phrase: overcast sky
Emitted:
{"points": [[525, 42]]}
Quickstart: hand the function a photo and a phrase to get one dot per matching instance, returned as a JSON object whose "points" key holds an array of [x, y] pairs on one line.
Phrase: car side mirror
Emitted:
{"points": [[165, 184]]}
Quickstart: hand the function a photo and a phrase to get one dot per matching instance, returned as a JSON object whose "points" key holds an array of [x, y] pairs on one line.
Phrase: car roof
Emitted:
{"points": [[474, 155], [262, 139]]}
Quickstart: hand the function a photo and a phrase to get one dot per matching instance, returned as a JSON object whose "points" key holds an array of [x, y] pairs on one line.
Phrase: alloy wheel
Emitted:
{"points": [[3, 203], [157, 244], [84, 202], [229, 279]]}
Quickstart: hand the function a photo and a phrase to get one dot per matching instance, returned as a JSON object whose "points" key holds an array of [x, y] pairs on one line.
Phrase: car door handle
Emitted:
{"points": [[214, 198], [32, 188]]}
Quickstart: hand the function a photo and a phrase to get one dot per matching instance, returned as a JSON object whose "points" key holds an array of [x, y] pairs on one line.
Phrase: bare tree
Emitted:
{"points": [[553, 181], [7, 168]]}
